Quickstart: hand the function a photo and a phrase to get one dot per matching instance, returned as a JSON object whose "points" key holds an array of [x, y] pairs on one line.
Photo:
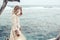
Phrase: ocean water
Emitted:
{"points": [[37, 23]]}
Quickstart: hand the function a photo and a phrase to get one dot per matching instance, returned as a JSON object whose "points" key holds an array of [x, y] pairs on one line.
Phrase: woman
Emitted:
{"points": [[16, 33]]}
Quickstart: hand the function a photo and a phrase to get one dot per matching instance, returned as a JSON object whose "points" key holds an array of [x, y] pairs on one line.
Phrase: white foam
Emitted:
{"points": [[52, 39]]}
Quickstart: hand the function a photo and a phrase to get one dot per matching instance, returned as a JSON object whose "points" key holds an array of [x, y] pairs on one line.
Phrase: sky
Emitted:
{"points": [[40, 2], [36, 2]]}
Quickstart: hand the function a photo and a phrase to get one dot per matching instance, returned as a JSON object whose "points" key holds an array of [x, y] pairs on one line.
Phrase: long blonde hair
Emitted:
{"points": [[17, 8]]}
